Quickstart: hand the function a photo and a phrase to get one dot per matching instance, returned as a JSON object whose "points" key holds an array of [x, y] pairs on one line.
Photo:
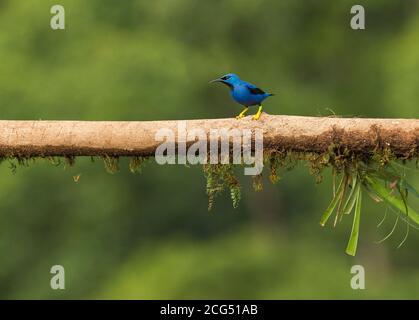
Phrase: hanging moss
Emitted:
{"points": [[275, 160], [136, 164], [317, 163], [55, 161], [70, 161], [111, 163], [17, 161], [257, 182], [219, 177], [12, 167]]}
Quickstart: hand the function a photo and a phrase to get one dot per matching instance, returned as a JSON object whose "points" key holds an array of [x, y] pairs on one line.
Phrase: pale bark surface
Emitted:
{"points": [[125, 138]]}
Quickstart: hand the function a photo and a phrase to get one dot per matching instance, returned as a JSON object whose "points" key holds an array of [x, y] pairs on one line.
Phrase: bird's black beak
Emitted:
{"points": [[216, 80]]}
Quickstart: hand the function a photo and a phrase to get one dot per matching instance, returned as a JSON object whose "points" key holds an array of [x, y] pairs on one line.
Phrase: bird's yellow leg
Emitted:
{"points": [[241, 115], [257, 115]]}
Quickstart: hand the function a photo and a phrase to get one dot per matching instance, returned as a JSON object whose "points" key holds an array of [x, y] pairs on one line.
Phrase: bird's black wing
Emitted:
{"points": [[255, 90]]}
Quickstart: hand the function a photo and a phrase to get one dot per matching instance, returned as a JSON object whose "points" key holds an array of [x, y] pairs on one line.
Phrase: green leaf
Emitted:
{"points": [[350, 202], [326, 215], [404, 184], [402, 166], [339, 212], [397, 203], [353, 239]]}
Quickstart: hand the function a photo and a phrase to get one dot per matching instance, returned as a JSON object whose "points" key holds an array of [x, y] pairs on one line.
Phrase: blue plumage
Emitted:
{"points": [[244, 93]]}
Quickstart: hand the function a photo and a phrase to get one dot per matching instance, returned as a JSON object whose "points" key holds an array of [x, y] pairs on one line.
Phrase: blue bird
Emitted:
{"points": [[244, 93]]}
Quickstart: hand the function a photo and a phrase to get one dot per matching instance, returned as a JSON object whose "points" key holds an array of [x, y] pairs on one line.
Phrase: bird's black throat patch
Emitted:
{"points": [[228, 84]]}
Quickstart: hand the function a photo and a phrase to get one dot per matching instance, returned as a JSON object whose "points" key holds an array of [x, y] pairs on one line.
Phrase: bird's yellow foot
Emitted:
{"points": [[242, 114], [257, 115]]}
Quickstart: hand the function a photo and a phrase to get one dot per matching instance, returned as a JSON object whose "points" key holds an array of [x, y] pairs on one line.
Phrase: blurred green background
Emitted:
{"points": [[150, 235]]}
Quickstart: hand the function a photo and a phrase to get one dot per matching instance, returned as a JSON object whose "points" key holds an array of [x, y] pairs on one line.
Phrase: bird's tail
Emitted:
{"points": [[271, 94]]}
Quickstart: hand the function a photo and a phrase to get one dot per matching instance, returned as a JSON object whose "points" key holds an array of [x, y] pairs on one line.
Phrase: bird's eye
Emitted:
{"points": [[225, 78]]}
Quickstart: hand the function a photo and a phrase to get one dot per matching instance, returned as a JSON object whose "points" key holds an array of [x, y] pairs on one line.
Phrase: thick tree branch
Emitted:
{"points": [[129, 138]]}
